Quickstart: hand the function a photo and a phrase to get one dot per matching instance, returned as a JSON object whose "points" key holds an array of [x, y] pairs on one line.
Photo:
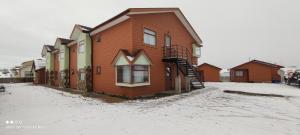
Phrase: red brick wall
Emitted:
{"points": [[211, 74], [73, 67], [162, 24], [129, 35], [113, 39]]}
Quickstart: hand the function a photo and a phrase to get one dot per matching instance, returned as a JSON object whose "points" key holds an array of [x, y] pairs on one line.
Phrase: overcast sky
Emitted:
{"points": [[233, 31]]}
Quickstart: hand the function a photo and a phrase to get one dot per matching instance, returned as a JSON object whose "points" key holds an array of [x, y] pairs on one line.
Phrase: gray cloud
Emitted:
{"points": [[233, 31]]}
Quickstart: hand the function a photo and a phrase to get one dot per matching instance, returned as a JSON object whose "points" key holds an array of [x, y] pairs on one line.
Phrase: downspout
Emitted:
{"points": [[92, 61]]}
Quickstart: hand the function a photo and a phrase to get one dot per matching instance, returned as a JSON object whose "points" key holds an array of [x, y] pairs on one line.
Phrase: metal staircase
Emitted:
{"points": [[182, 57]]}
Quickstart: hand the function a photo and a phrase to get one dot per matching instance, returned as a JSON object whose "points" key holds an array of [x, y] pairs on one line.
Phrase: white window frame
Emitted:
{"points": [[131, 84], [81, 46], [62, 54], [81, 76], [147, 33], [196, 50], [239, 73]]}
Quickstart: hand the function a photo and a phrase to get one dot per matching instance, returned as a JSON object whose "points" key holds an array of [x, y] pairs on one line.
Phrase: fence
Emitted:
{"points": [[16, 80]]}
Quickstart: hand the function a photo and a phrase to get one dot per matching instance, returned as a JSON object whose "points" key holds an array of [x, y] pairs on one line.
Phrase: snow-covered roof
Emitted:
{"points": [[39, 63]]}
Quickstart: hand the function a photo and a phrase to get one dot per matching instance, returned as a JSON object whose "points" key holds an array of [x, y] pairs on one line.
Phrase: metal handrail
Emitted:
{"points": [[181, 52], [177, 51]]}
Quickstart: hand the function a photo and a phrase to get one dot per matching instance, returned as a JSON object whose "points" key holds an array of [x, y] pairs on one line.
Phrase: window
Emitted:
{"points": [[81, 46], [123, 74], [149, 37], [140, 74], [167, 40], [133, 74], [82, 76], [239, 73], [196, 50], [62, 55]]}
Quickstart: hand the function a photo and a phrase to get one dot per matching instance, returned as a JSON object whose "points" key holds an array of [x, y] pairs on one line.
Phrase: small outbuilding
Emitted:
{"points": [[255, 71], [210, 73], [38, 70]]}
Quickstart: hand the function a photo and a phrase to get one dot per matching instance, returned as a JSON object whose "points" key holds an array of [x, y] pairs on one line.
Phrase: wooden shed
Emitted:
{"points": [[210, 72], [255, 71]]}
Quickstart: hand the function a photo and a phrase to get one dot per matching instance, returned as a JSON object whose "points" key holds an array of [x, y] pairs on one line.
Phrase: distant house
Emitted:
{"points": [[38, 69], [47, 54], [25, 70], [15, 71], [255, 71], [209, 72], [4, 73]]}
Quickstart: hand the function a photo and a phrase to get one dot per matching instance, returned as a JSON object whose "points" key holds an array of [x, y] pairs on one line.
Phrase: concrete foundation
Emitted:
{"points": [[178, 84], [188, 83]]}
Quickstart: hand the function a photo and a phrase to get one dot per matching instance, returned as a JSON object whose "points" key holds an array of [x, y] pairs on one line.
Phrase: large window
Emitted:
{"points": [[149, 37], [239, 73], [81, 46], [132, 74]]}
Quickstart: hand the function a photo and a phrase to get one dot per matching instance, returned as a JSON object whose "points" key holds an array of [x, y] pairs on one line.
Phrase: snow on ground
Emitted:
{"points": [[264, 88], [38, 110]]}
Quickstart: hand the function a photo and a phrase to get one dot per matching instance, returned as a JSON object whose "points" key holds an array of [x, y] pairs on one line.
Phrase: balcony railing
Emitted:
{"points": [[177, 52]]}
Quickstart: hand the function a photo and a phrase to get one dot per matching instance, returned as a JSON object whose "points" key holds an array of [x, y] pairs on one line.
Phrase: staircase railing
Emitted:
{"points": [[177, 51], [180, 53]]}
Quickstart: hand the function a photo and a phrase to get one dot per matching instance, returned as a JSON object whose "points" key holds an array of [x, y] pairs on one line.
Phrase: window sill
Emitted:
{"points": [[132, 85], [152, 46]]}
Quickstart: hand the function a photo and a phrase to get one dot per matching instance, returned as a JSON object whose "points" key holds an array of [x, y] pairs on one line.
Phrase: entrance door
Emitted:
{"points": [[73, 67], [168, 77], [168, 66]]}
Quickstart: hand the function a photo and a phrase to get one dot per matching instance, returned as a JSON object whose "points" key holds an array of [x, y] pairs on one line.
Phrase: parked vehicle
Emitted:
{"points": [[2, 88], [294, 78]]}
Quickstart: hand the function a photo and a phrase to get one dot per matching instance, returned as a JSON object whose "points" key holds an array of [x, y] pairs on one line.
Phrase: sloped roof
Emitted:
{"points": [[65, 41], [131, 57], [39, 63], [27, 63], [210, 66], [49, 48], [132, 11], [259, 62], [84, 28]]}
